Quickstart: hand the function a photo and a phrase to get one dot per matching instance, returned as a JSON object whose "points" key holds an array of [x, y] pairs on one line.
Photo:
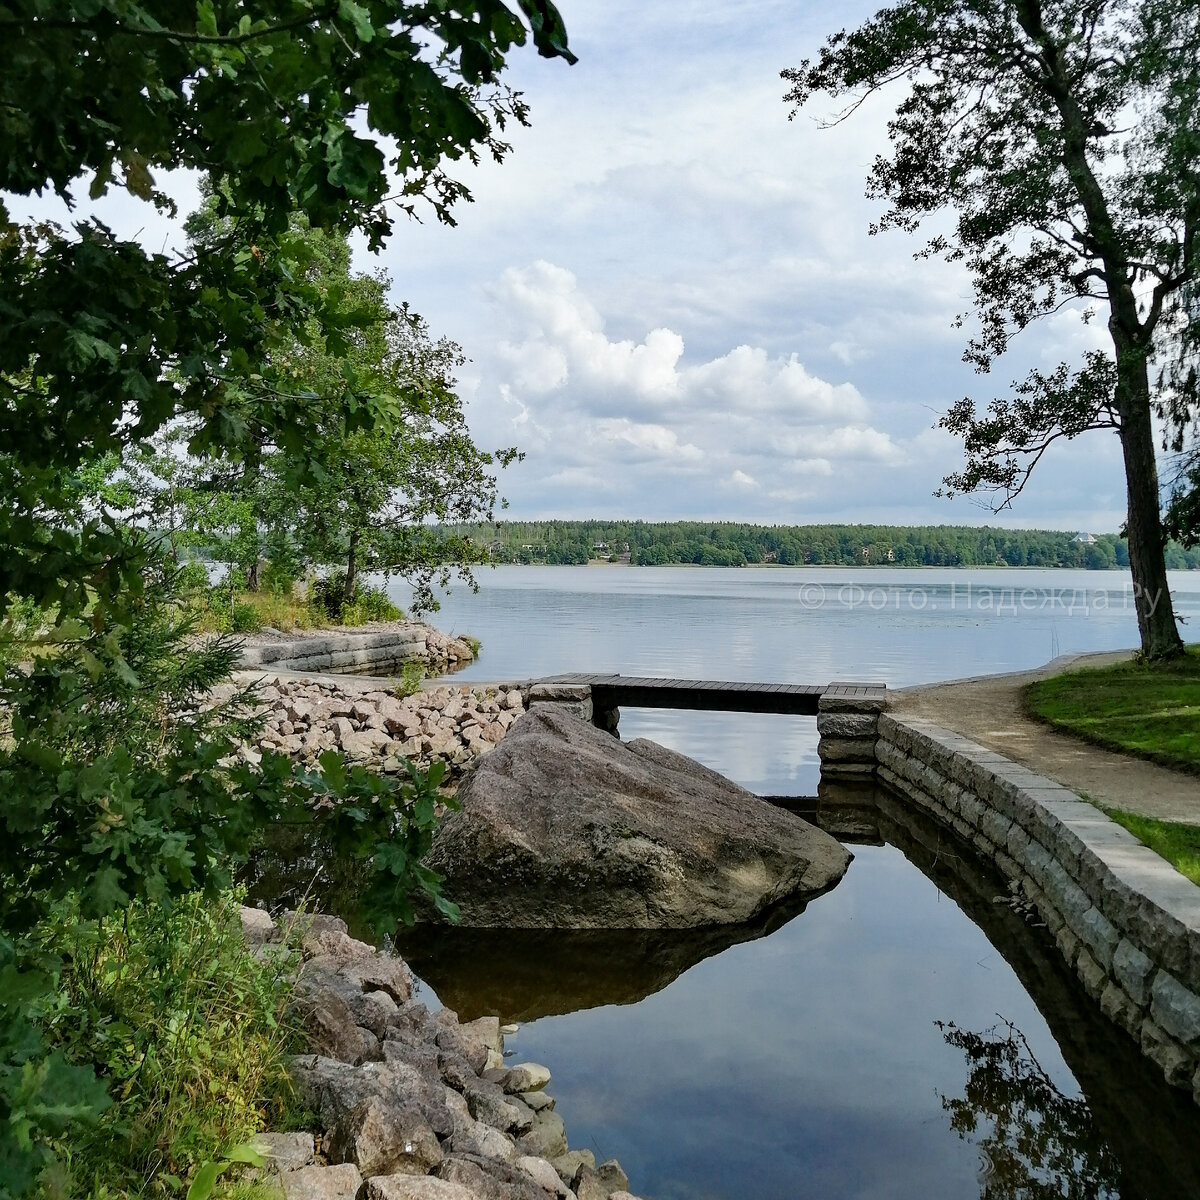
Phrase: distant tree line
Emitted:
{"points": [[730, 544]]}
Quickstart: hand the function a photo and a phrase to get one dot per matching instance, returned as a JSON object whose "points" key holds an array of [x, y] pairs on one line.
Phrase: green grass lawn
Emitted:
{"points": [[1178, 844], [1152, 711]]}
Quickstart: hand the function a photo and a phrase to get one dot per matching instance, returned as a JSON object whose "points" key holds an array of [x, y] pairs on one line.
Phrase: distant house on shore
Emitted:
{"points": [[1085, 538]]}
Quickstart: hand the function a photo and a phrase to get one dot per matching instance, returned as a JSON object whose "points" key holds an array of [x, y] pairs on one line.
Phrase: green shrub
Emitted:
{"points": [[328, 596], [192, 578], [240, 616], [184, 1025], [412, 679], [370, 604], [279, 576], [245, 619]]}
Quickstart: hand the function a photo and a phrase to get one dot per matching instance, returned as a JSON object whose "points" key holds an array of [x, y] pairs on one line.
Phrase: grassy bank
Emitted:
{"points": [[1148, 710], [248, 612], [1178, 844]]}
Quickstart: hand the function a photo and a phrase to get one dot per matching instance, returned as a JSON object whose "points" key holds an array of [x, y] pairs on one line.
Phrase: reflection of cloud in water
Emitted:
{"points": [[767, 753]]}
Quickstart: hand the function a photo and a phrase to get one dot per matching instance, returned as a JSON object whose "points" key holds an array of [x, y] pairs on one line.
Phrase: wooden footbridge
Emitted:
{"points": [[847, 713], [635, 691]]}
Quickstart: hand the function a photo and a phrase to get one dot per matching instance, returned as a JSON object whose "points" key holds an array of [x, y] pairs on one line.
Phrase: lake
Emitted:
{"points": [[906, 1035], [785, 625]]}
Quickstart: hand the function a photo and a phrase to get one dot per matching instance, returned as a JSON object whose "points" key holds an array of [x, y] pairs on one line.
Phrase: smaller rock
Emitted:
{"points": [[542, 1173], [485, 1030], [473, 1137], [586, 1184], [537, 1100], [547, 1138], [415, 1187], [568, 1164], [415, 1052], [285, 1151], [454, 1040], [257, 926], [612, 1176], [487, 1179], [385, 1137], [526, 1077], [489, 1105], [321, 1183], [331, 1029], [382, 973]]}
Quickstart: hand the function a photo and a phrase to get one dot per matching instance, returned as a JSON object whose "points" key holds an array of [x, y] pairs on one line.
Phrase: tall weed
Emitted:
{"points": [[185, 1026]]}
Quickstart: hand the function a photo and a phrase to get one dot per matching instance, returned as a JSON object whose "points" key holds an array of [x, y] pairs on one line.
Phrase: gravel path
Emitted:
{"points": [[988, 710]]}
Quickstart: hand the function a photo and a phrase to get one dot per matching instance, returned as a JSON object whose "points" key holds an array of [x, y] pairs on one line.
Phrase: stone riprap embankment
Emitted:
{"points": [[1124, 919], [411, 1105], [379, 647], [375, 726]]}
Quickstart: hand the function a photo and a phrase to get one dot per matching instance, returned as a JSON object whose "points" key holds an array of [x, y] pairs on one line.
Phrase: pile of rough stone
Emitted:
{"points": [[442, 650], [412, 1105], [305, 717]]}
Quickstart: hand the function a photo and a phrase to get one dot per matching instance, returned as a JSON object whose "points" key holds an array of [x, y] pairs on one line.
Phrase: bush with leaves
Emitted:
{"points": [[117, 785], [187, 1030], [328, 597], [123, 785]]}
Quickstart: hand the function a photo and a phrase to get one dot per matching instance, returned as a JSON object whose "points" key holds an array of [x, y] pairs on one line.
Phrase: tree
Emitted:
{"points": [[289, 103], [115, 784], [383, 497], [1067, 138], [1183, 511]]}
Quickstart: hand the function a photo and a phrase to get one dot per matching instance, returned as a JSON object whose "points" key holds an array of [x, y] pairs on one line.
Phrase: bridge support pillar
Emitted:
{"points": [[606, 716], [575, 698], [848, 728]]}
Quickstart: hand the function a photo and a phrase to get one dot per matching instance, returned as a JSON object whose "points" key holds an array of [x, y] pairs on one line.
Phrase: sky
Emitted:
{"points": [[671, 302]]}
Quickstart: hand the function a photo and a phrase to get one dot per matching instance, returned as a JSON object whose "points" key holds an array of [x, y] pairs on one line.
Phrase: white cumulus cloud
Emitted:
{"points": [[637, 418]]}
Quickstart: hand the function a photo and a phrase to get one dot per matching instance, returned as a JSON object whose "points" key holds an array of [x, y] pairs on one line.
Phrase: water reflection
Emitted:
{"points": [[1035, 1142], [844, 1048], [523, 974]]}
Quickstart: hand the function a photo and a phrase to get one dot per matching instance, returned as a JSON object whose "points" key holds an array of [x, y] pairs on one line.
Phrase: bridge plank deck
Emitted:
{"points": [[639, 691]]}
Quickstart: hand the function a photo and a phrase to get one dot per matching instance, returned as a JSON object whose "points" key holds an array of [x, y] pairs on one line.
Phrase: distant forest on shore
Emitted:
{"points": [[732, 544]]}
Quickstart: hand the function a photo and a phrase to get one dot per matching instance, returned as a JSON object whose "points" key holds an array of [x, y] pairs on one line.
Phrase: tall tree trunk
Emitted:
{"points": [[352, 568], [1147, 561], [1133, 341]]}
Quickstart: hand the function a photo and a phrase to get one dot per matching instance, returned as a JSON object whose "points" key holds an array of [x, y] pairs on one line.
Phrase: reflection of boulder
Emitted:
{"points": [[523, 974], [564, 826]]}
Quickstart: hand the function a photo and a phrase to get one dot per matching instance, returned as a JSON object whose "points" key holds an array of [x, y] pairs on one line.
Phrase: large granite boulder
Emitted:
{"points": [[565, 826]]}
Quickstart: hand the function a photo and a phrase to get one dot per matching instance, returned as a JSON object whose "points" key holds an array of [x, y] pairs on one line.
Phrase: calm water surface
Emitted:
{"points": [[786, 625], [907, 1034]]}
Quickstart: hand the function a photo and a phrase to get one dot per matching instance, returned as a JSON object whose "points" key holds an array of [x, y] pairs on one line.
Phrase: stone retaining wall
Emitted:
{"points": [[371, 649], [1123, 918]]}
